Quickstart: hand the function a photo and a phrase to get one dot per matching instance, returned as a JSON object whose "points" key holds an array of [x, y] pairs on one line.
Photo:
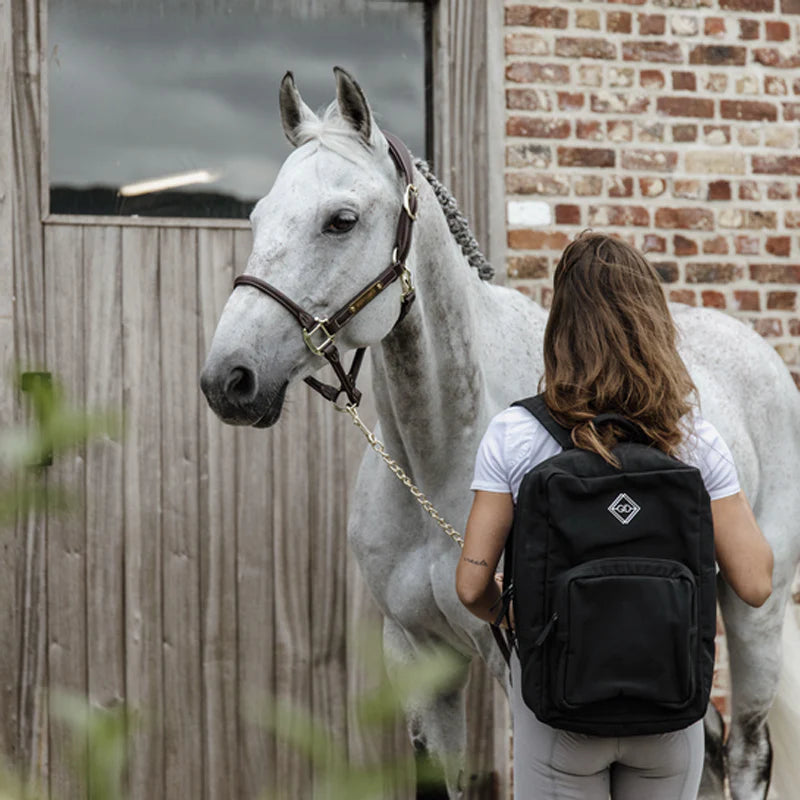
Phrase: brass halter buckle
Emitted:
{"points": [[410, 190], [318, 349]]}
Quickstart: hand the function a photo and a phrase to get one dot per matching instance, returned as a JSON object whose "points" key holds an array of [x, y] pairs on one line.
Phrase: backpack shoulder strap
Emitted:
{"points": [[536, 406]]}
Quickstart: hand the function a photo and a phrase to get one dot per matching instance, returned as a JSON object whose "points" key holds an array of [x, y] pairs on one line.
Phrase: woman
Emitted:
{"points": [[609, 345]]}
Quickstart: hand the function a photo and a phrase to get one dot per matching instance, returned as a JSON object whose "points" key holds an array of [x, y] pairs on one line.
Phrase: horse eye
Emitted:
{"points": [[341, 222]]}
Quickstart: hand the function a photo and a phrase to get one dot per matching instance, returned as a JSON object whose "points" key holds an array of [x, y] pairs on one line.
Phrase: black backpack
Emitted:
{"points": [[612, 576]]}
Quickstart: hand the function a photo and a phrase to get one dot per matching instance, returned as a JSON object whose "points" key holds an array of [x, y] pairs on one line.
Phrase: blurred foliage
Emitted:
{"points": [[55, 427], [337, 777]]}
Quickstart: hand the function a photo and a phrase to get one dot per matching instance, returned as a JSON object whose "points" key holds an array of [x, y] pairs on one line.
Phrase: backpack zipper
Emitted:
{"points": [[546, 630]]}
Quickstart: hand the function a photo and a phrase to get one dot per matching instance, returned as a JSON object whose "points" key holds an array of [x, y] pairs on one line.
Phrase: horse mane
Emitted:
{"points": [[332, 131]]}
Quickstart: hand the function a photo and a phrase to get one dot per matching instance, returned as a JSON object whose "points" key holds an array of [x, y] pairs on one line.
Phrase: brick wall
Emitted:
{"points": [[673, 124]]}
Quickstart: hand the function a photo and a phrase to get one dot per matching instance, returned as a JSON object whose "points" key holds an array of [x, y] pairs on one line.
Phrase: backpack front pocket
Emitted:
{"points": [[627, 628]]}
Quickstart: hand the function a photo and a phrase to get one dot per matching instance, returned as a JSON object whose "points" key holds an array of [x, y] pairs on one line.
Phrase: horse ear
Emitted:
{"points": [[293, 110], [353, 104]]}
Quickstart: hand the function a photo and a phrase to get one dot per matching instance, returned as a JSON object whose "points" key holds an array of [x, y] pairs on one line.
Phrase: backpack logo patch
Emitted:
{"points": [[624, 508]]}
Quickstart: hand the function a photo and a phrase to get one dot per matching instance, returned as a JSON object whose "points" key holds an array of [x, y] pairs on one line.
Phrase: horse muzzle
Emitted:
{"points": [[235, 394]]}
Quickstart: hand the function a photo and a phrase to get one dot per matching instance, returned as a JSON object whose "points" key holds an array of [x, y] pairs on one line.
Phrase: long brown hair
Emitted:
{"points": [[610, 346]]}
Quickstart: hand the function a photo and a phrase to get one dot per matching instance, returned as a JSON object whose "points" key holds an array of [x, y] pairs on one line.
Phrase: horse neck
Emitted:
{"points": [[426, 373]]}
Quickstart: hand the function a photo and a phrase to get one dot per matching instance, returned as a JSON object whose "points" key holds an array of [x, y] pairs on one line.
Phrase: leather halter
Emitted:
{"points": [[319, 334]]}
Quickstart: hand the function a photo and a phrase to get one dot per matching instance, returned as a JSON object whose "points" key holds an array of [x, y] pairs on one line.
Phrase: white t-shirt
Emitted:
{"points": [[515, 442]]}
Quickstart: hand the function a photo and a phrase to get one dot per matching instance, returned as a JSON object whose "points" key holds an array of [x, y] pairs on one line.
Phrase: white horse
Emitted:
{"points": [[463, 352]]}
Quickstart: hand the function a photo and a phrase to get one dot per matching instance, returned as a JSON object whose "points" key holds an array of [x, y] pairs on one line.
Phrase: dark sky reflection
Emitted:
{"points": [[140, 91]]}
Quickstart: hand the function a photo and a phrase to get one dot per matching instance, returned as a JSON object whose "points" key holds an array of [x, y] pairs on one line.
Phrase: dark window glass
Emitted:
{"points": [[187, 93]]}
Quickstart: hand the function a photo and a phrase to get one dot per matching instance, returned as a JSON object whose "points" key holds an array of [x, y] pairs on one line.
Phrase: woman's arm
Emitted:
{"points": [[743, 554], [485, 536]]}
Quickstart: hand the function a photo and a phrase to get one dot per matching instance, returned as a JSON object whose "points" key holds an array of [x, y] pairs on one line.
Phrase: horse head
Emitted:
{"points": [[324, 232]]}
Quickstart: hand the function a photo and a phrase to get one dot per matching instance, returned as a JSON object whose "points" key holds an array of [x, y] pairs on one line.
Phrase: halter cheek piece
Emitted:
{"points": [[319, 334]]}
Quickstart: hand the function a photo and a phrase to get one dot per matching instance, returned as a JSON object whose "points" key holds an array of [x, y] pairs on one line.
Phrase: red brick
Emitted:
{"points": [[796, 86], [768, 326], [794, 327], [538, 17], [682, 246], [620, 187], [684, 82], [746, 245], [748, 109], [547, 296], [791, 112], [585, 157], [587, 185], [661, 52], [650, 132], [712, 272], [698, 219], [684, 133], [667, 270], [719, 190], [649, 159], [527, 267], [775, 85], [619, 215], [782, 301], [568, 215], [688, 189], [589, 130], [619, 130], [526, 44], [685, 106], [747, 5], [760, 219], [796, 375], [791, 219], [776, 165], [713, 299], [570, 101], [651, 24], [547, 183], [528, 99], [718, 55], [779, 191], [714, 26], [618, 22], [538, 128], [652, 187], [747, 300], [653, 243], [773, 57], [748, 29], [585, 48], [777, 31], [790, 6], [712, 133], [537, 240], [778, 245], [686, 296], [620, 103], [748, 190], [651, 79], [718, 245], [530, 72], [775, 273]]}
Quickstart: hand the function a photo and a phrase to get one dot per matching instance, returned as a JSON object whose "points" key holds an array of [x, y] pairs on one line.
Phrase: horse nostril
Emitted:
{"points": [[240, 385]]}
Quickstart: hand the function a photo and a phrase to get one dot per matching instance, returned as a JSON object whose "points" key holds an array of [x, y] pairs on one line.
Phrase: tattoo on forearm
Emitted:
{"points": [[480, 563]]}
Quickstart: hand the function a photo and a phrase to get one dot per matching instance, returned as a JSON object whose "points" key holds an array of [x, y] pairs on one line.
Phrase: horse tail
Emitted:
{"points": [[784, 716]]}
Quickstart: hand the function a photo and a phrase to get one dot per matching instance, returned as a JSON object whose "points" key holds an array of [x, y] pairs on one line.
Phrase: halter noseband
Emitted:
{"points": [[319, 334]]}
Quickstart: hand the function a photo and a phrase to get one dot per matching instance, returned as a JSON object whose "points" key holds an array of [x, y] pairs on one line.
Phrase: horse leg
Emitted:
{"points": [[437, 727], [712, 784], [754, 648]]}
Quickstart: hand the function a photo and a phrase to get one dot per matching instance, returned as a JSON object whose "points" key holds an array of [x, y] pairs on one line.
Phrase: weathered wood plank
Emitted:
{"points": [[105, 543], [66, 533], [29, 352], [141, 355], [183, 693], [292, 558], [11, 552], [328, 571], [218, 539], [256, 607]]}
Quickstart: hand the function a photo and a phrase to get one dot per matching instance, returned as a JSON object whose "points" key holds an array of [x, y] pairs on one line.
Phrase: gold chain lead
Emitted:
{"points": [[399, 472]]}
